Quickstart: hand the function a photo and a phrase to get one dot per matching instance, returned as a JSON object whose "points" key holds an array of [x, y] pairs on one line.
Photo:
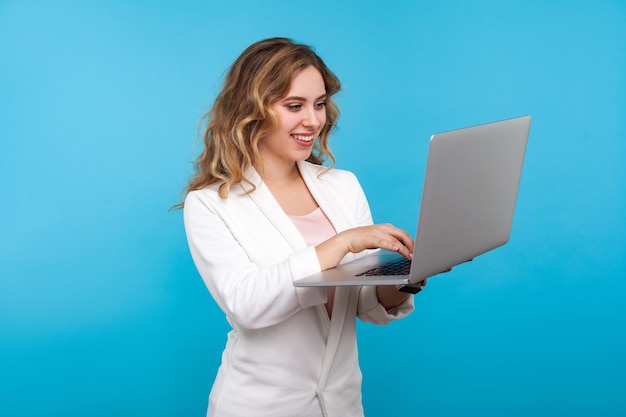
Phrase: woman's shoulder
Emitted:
{"points": [[208, 191], [207, 196], [212, 195]]}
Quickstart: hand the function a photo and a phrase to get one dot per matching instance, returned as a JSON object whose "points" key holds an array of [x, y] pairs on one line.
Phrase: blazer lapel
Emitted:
{"points": [[267, 204], [327, 201]]}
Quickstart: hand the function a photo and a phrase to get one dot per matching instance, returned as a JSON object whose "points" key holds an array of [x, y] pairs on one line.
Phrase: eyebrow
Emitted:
{"points": [[298, 98]]}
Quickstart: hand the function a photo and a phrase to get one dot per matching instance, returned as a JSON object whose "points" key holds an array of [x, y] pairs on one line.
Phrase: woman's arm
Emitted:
{"points": [[358, 239], [252, 296], [367, 236], [383, 236]]}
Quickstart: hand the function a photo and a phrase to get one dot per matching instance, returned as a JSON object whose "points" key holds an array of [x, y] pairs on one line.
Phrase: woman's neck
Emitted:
{"points": [[288, 188], [278, 173]]}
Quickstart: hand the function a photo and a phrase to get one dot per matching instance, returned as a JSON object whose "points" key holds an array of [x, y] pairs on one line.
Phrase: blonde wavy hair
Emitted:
{"points": [[241, 114]]}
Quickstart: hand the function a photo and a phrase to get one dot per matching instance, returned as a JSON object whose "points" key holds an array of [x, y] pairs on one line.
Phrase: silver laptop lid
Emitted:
{"points": [[469, 195]]}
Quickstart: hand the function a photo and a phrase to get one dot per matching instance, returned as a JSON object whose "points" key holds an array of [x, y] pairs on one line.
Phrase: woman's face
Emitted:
{"points": [[302, 115]]}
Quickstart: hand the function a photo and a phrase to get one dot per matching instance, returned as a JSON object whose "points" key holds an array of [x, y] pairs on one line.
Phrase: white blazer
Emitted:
{"points": [[284, 356]]}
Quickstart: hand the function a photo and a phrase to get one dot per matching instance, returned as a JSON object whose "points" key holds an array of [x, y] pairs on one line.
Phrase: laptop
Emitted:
{"points": [[468, 200]]}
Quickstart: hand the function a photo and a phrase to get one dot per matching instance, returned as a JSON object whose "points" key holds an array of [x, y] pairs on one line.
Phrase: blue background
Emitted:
{"points": [[101, 310]]}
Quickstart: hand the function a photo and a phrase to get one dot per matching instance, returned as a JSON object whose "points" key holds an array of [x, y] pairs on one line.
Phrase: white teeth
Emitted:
{"points": [[304, 138]]}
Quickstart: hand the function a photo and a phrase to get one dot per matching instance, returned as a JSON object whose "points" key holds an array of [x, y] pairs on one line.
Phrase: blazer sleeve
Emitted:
{"points": [[252, 296], [370, 310]]}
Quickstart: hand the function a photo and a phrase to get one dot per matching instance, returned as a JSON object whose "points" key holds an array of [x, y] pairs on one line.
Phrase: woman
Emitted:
{"points": [[261, 212]]}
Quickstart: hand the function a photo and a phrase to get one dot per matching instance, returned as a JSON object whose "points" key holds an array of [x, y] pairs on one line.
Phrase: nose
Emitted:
{"points": [[312, 118]]}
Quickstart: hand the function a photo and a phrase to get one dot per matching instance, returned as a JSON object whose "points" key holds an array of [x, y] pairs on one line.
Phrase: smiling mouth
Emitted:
{"points": [[303, 138]]}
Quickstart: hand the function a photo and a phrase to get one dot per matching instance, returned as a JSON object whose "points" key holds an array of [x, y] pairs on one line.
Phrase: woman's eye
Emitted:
{"points": [[320, 105], [294, 107]]}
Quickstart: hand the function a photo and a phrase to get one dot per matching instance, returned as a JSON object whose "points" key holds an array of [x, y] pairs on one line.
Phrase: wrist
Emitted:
{"points": [[332, 251]]}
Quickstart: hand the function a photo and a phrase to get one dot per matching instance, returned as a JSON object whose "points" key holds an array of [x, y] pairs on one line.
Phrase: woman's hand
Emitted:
{"points": [[358, 239]]}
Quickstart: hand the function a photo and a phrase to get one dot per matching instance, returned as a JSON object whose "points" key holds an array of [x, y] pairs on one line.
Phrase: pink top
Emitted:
{"points": [[315, 228]]}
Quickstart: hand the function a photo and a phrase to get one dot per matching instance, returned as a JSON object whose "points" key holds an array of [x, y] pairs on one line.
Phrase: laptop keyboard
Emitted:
{"points": [[400, 266]]}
